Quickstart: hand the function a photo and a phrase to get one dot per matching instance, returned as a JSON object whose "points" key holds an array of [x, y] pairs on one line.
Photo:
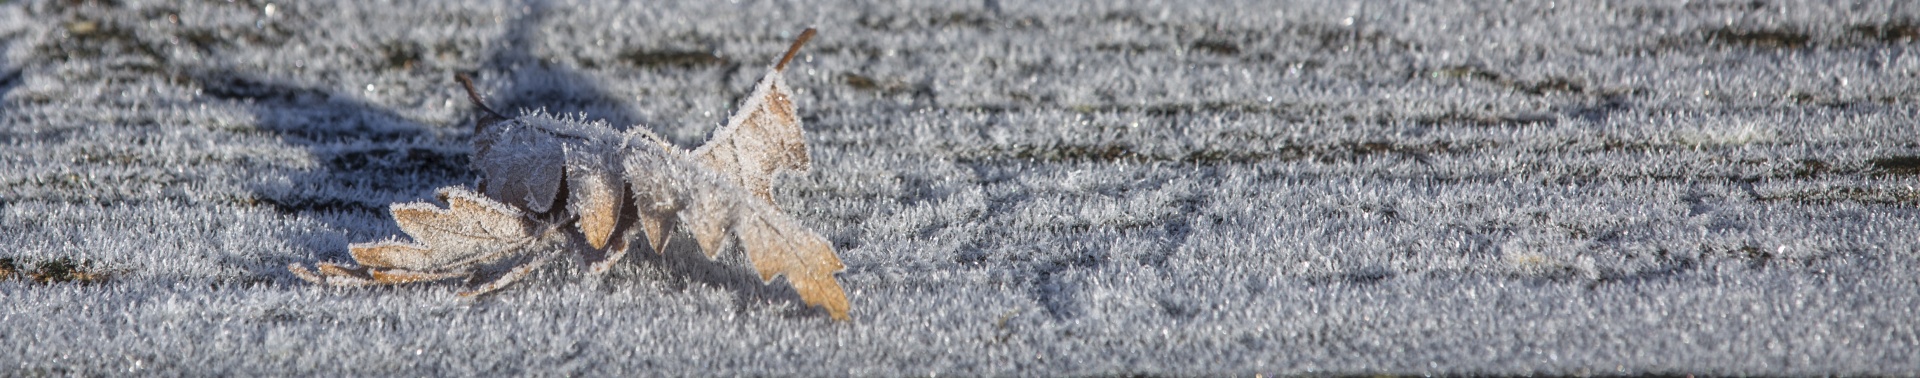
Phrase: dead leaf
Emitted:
{"points": [[778, 246], [471, 227], [471, 230], [764, 137], [594, 191], [669, 184]]}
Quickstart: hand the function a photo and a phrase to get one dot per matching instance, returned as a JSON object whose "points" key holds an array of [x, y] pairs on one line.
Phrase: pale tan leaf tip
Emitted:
{"points": [[655, 226], [305, 275], [812, 274], [827, 294], [595, 193]]}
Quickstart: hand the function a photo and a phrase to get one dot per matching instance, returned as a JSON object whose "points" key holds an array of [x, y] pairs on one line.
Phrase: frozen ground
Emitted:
{"points": [[1154, 188]]}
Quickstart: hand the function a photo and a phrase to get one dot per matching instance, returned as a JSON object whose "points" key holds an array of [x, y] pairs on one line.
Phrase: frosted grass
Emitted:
{"points": [[1045, 188]]}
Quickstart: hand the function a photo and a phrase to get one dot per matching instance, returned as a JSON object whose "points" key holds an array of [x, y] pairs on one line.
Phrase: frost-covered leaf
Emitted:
{"points": [[779, 246], [536, 163], [656, 223], [519, 164], [392, 254], [670, 184], [471, 229], [594, 191], [762, 138]]}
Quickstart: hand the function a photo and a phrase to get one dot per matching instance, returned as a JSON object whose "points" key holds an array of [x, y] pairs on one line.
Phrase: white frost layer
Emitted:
{"points": [[1167, 188]]}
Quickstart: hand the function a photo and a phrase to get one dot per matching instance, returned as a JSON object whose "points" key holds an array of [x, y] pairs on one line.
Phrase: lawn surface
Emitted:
{"points": [[1150, 188]]}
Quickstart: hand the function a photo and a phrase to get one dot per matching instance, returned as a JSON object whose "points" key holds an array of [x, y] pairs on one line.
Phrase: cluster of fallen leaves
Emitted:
{"points": [[549, 184], [51, 271]]}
